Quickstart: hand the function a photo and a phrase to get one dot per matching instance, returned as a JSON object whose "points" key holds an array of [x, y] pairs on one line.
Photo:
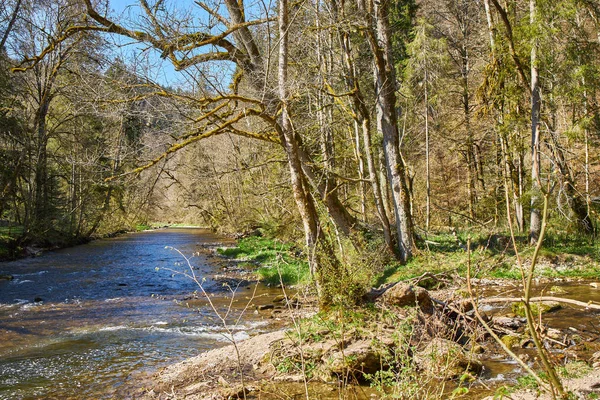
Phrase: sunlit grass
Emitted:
{"points": [[493, 256], [275, 261]]}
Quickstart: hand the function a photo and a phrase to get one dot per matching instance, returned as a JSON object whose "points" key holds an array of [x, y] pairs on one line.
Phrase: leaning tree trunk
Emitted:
{"points": [[576, 201]]}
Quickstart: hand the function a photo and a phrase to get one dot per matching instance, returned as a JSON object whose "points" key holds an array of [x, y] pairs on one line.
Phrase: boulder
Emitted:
{"points": [[537, 308], [360, 356], [446, 359], [403, 294]]}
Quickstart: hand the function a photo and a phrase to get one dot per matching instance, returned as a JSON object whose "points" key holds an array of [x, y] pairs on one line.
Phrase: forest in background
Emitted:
{"points": [[359, 129]]}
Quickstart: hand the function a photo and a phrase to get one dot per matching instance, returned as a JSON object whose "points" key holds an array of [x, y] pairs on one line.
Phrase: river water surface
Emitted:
{"points": [[85, 321]]}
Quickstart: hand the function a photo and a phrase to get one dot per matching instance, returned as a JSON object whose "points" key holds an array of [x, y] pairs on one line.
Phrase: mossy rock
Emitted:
{"points": [[557, 290], [402, 295], [511, 340], [359, 357], [543, 307]]}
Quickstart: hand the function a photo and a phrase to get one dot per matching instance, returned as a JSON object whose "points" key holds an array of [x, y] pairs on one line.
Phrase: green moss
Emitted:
{"points": [[536, 308], [510, 340], [526, 382]]}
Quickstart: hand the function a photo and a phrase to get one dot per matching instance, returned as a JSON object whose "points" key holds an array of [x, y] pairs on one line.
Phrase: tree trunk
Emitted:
{"points": [[577, 202], [427, 172], [587, 157], [490, 23], [387, 124], [535, 224], [302, 197], [40, 208], [363, 119], [11, 23], [362, 191]]}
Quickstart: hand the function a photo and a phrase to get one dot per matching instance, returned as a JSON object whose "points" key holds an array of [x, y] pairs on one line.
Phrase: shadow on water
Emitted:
{"points": [[108, 309]]}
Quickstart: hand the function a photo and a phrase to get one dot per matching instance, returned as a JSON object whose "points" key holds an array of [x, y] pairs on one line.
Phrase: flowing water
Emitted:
{"points": [[89, 321], [85, 321]]}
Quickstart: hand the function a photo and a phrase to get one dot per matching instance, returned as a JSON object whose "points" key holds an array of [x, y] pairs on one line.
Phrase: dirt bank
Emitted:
{"points": [[429, 339]]}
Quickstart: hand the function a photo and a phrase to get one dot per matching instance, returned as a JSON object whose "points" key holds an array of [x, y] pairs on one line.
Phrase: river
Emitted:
{"points": [[86, 321]]}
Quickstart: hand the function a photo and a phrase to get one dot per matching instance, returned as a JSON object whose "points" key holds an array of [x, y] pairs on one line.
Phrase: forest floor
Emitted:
{"points": [[415, 336]]}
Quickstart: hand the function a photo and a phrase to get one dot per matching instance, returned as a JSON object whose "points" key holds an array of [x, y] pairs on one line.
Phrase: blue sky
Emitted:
{"points": [[158, 69]]}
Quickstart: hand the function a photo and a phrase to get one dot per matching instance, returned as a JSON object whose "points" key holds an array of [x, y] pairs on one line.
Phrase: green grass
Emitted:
{"points": [[574, 369], [492, 256], [275, 261]]}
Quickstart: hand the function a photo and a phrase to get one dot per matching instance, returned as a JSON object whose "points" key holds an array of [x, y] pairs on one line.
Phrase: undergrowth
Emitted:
{"points": [[8, 237]]}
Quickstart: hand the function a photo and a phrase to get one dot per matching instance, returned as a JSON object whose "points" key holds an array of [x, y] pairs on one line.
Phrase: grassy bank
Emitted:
{"points": [[273, 261], [445, 255], [493, 256]]}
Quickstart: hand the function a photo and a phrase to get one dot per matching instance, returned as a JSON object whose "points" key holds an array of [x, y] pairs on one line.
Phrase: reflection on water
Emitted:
{"points": [[76, 323]]}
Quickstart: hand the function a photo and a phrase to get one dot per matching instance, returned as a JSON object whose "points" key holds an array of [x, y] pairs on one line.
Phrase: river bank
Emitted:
{"points": [[109, 304], [408, 342], [15, 248]]}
